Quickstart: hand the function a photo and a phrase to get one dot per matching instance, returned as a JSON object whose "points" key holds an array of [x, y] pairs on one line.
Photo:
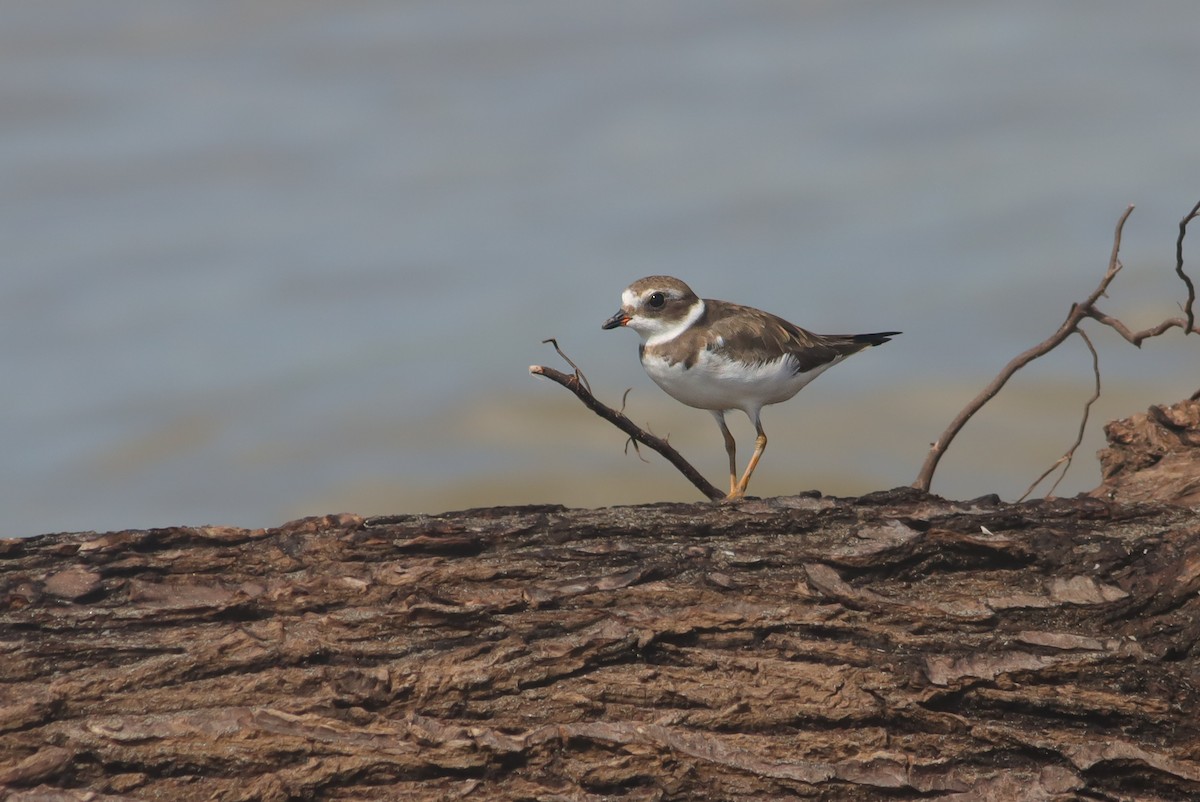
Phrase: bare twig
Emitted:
{"points": [[618, 419], [1069, 455], [1136, 337], [1191, 299], [1078, 313], [637, 449], [578, 373]]}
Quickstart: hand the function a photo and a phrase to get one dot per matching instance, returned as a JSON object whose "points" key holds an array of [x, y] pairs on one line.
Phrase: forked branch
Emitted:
{"points": [[1078, 313]]}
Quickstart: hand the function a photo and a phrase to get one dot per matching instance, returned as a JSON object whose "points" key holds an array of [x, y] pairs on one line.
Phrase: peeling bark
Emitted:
{"points": [[1154, 456]]}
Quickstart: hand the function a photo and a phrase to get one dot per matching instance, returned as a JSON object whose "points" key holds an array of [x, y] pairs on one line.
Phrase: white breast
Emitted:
{"points": [[716, 382]]}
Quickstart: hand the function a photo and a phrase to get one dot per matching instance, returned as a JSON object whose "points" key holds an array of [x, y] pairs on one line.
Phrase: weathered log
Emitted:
{"points": [[893, 646], [1154, 456]]}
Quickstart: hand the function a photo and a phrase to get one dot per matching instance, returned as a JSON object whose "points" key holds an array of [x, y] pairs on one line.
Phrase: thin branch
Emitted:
{"points": [[1191, 299], [1136, 337], [1114, 261], [637, 449], [1077, 313], [635, 432], [1069, 455], [578, 373]]}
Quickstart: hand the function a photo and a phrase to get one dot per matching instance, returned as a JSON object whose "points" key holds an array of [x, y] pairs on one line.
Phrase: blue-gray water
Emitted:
{"points": [[263, 260]]}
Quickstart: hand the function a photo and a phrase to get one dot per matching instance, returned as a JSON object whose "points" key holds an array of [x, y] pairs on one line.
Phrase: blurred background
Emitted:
{"points": [[273, 259]]}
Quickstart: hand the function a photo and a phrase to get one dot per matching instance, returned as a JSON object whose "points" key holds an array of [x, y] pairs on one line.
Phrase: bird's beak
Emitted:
{"points": [[619, 319]]}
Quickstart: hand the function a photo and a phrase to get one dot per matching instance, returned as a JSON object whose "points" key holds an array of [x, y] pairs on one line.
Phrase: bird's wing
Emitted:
{"points": [[762, 335]]}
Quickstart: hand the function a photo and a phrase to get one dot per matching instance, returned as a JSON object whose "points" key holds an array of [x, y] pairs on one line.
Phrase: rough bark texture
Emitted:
{"points": [[1154, 456], [896, 646]]}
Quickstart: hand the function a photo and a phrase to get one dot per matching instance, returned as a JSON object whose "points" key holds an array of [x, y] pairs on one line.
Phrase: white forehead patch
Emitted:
{"points": [[628, 299]]}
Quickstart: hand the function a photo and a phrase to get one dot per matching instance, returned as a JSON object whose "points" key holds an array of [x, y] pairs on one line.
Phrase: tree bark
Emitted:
{"points": [[1154, 456], [893, 646]]}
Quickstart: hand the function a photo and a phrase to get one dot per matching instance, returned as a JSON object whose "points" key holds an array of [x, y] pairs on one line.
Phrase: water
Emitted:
{"points": [[275, 259]]}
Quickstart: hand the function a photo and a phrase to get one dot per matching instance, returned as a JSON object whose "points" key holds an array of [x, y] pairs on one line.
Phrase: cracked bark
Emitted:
{"points": [[892, 646]]}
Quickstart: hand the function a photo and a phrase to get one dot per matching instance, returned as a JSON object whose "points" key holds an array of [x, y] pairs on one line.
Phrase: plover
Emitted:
{"points": [[721, 356]]}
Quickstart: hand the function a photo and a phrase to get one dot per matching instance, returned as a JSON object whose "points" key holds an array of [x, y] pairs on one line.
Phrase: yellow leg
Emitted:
{"points": [[760, 445]]}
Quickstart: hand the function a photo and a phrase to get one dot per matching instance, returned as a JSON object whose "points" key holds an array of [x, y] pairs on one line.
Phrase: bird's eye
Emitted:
{"points": [[656, 300]]}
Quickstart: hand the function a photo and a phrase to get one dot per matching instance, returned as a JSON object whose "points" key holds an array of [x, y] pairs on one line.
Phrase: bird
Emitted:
{"points": [[722, 356]]}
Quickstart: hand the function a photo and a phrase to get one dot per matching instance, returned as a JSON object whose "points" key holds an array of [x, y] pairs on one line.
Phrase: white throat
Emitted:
{"points": [[671, 332]]}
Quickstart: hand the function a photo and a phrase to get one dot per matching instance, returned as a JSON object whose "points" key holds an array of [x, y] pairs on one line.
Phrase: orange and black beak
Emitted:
{"points": [[621, 318]]}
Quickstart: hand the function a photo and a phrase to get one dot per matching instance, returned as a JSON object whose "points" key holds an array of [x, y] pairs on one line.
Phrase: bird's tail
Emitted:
{"points": [[878, 338]]}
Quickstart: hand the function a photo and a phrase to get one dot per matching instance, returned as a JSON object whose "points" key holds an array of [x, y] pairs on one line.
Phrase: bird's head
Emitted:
{"points": [[657, 308]]}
